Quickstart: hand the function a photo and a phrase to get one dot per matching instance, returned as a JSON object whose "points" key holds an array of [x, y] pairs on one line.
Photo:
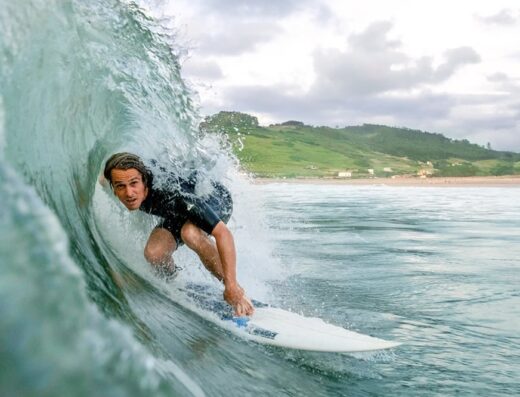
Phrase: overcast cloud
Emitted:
{"points": [[337, 63], [375, 64], [250, 8], [237, 37], [503, 17]]}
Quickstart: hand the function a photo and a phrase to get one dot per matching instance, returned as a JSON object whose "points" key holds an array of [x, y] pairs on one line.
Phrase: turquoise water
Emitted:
{"points": [[82, 314], [434, 268]]}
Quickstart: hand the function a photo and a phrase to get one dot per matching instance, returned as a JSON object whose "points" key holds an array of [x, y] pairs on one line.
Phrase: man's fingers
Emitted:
{"points": [[241, 310], [244, 308]]}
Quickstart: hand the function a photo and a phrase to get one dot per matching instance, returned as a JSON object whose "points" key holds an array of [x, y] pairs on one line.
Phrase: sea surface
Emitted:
{"points": [[81, 312], [432, 267]]}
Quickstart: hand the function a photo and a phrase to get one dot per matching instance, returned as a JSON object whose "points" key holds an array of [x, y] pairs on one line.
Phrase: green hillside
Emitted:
{"points": [[293, 149]]}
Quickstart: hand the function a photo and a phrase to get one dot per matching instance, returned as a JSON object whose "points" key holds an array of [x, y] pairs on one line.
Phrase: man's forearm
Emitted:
{"points": [[227, 254], [233, 293]]}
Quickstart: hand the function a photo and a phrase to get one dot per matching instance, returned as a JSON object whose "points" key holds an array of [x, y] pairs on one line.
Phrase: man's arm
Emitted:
{"points": [[233, 293]]}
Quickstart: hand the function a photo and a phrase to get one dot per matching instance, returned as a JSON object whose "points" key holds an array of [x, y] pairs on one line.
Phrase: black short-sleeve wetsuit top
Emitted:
{"points": [[179, 204]]}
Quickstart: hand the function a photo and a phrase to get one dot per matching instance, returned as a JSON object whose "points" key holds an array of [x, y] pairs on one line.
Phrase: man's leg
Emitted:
{"points": [[159, 249], [196, 239]]}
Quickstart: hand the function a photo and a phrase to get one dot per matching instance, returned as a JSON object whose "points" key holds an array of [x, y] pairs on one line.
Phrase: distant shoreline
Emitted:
{"points": [[470, 181]]}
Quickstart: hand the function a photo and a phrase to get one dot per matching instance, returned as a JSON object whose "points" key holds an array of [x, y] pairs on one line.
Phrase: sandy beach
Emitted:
{"points": [[477, 181]]}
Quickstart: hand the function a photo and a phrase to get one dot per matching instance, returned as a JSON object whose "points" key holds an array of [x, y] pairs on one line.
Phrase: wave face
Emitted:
{"points": [[79, 81]]}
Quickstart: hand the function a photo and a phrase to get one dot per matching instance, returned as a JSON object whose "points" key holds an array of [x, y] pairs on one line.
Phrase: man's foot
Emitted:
{"points": [[168, 274]]}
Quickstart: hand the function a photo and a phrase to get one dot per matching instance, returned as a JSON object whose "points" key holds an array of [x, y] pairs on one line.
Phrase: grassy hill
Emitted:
{"points": [[293, 149]]}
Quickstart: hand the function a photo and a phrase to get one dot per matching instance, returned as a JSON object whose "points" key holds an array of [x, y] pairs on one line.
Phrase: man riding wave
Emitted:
{"points": [[186, 218]]}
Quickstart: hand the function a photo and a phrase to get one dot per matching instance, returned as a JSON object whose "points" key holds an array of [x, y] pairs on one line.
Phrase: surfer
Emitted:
{"points": [[185, 219]]}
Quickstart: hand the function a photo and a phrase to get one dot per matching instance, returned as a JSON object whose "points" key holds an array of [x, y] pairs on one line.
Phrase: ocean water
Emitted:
{"points": [[82, 314], [432, 267]]}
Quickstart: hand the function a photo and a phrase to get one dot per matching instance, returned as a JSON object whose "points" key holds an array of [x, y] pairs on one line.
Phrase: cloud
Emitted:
{"points": [[487, 122], [505, 17], [209, 70], [455, 59], [274, 100], [234, 27], [252, 8], [505, 83], [374, 64], [497, 128], [321, 14], [498, 77], [280, 102], [237, 37], [374, 38]]}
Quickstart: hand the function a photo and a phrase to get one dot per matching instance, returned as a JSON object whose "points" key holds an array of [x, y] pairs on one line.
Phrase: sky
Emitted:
{"points": [[451, 67]]}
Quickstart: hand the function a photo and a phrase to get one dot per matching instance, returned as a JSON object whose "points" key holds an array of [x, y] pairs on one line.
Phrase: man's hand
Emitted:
{"points": [[234, 295]]}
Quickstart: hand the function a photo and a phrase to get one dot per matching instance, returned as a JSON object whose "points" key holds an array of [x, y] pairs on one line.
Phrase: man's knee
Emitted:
{"points": [[191, 235], [156, 254], [160, 247]]}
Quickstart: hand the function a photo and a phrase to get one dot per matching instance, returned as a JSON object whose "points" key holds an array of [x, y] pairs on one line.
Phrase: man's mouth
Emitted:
{"points": [[131, 201]]}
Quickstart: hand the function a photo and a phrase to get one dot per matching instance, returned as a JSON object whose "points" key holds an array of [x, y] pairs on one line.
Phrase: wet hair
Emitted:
{"points": [[125, 161]]}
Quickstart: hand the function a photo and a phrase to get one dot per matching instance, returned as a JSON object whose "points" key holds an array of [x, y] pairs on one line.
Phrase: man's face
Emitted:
{"points": [[129, 187]]}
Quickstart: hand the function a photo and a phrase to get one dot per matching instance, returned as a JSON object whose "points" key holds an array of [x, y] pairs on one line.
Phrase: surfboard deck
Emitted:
{"points": [[277, 327]]}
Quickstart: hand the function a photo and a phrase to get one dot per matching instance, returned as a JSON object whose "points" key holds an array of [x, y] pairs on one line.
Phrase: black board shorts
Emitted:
{"points": [[206, 214]]}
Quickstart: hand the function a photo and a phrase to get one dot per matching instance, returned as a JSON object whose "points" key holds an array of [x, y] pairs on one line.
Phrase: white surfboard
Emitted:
{"points": [[278, 327]]}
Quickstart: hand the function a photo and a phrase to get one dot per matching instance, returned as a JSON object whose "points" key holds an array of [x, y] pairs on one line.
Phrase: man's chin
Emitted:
{"points": [[132, 207]]}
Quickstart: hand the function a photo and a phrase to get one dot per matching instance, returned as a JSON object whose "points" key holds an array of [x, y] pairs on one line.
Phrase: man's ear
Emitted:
{"points": [[104, 182]]}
